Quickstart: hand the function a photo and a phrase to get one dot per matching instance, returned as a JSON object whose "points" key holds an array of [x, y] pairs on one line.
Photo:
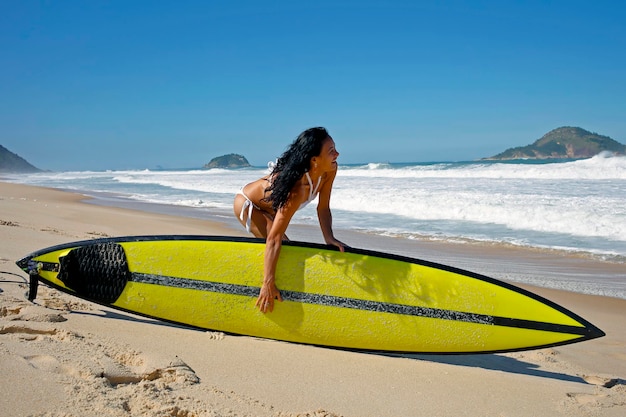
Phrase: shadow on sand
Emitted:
{"points": [[492, 362], [495, 362]]}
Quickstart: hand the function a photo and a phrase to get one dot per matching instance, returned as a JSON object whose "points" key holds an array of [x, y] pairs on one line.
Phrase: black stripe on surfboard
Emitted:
{"points": [[366, 305]]}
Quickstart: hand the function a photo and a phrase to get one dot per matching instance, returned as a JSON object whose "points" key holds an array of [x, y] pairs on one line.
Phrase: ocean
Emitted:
{"points": [[576, 206]]}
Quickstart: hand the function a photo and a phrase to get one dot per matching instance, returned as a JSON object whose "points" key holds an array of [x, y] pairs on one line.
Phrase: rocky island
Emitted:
{"points": [[564, 143], [228, 161]]}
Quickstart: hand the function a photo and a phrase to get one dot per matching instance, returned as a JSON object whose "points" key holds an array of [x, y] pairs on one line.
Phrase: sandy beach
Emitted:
{"points": [[62, 356]]}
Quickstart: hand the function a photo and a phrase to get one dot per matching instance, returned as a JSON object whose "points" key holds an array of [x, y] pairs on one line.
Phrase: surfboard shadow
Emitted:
{"points": [[133, 317], [493, 362]]}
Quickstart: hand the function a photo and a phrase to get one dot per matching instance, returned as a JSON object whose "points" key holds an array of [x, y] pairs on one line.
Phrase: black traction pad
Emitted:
{"points": [[98, 272]]}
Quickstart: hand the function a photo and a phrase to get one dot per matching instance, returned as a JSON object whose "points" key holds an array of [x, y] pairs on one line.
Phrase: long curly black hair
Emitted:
{"points": [[292, 165]]}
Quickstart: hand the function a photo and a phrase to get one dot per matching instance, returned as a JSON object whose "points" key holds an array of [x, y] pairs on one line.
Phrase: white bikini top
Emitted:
{"points": [[312, 191]]}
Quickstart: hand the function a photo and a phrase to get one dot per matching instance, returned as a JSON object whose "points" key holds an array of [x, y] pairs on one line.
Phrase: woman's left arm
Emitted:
{"points": [[323, 212]]}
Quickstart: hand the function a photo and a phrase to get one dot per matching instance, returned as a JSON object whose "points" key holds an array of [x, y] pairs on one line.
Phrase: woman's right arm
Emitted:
{"points": [[273, 244]]}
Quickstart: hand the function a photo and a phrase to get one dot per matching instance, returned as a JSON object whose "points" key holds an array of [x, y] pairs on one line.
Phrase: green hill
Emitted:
{"points": [[228, 161], [564, 142], [10, 162]]}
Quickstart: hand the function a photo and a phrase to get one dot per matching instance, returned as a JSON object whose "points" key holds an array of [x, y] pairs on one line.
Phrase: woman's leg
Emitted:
{"points": [[260, 222]]}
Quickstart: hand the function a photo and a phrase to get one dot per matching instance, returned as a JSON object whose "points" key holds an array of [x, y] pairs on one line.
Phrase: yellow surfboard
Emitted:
{"points": [[358, 299]]}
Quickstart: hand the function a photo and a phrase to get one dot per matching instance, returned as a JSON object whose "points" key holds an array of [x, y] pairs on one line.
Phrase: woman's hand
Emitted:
{"points": [[269, 293], [334, 242]]}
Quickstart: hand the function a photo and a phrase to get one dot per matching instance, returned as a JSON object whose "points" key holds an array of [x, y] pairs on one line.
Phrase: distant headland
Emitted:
{"points": [[13, 163], [564, 143]]}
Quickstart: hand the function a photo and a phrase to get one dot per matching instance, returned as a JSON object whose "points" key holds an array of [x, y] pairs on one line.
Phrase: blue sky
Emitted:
{"points": [[140, 84]]}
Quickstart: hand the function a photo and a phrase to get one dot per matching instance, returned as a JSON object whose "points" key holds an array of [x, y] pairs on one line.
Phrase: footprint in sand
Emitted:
{"points": [[117, 364], [55, 300], [215, 335], [22, 311], [9, 223], [586, 399], [177, 371], [26, 332], [50, 364], [609, 394], [10, 311], [601, 381], [97, 234], [44, 362]]}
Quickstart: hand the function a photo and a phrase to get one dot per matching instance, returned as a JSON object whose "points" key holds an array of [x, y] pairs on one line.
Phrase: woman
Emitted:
{"points": [[265, 207]]}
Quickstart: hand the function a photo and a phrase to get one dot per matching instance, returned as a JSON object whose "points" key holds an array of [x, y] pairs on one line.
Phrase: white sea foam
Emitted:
{"points": [[603, 166]]}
